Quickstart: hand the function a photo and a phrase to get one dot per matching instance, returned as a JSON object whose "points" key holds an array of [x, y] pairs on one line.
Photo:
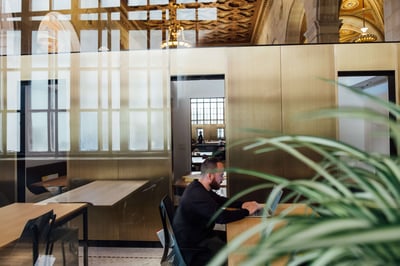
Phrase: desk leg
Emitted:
{"points": [[85, 238]]}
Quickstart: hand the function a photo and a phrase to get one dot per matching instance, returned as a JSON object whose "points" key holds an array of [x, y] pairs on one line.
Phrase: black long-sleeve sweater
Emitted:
{"points": [[196, 208]]}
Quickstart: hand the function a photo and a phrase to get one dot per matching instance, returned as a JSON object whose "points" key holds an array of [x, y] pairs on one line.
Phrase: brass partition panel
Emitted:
{"points": [[253, 101], [304, 91]]}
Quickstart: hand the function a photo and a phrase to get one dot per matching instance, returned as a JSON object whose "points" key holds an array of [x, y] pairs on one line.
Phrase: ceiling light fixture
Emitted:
{"points": [[176, 37], [365, 36]]}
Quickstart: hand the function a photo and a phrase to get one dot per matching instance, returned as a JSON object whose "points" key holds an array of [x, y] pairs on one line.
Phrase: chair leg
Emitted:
{"points": [[63, 253]]}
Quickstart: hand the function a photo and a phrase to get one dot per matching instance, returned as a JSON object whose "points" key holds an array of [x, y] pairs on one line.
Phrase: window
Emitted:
{"points": [[220, 133], [46, 120], [207, 111]]}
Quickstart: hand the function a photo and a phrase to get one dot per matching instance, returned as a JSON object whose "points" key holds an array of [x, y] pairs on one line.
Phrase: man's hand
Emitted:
{"points": [[251, 206]]}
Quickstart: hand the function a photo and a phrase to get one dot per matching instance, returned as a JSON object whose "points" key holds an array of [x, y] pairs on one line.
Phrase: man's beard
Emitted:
{"points": [[214, 184]]}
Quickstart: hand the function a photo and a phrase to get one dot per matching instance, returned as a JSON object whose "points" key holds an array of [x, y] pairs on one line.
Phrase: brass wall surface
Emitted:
{"points": [[253, 103]]}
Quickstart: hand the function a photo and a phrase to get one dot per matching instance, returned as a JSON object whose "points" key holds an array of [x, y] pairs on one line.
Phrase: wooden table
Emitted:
{"points": [[13, 218], [106, 199], [59, 182], [236, 228], [100, 192]]}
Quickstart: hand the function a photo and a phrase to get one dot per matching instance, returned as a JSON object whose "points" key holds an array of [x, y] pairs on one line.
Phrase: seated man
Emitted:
{"points": [[192, 222]]}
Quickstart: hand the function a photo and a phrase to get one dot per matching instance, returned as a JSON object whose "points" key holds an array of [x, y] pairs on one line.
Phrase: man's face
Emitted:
{"points": [[217, 177]]}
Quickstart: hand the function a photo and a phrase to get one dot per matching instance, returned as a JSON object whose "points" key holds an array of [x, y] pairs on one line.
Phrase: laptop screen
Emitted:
{"points": [[270, 211]]}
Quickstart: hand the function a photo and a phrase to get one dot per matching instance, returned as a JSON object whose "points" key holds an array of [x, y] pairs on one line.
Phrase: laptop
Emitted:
{"points": [[264, 212]]}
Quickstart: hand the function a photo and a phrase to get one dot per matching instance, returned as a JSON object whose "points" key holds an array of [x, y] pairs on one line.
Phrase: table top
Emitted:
{"points": [[236, 228], [61, 181], [100, 192], [13, 217]]}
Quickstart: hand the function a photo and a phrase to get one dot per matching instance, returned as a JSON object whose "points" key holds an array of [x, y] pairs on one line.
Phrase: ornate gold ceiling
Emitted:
{"points": [[234, 24], [352, 15], [206, 22]]}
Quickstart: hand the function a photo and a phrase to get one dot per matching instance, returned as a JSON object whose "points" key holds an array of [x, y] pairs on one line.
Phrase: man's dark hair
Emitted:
{"points": [[209, 164]]}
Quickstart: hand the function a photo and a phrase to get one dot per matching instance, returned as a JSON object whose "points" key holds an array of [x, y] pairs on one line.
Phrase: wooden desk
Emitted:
{"points": [[100, 192], [108, 201], [236, 228], [13, 218], [59, 182]]}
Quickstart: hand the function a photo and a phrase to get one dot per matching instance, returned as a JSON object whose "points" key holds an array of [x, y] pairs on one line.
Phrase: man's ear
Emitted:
{"points": [[209, 176]]}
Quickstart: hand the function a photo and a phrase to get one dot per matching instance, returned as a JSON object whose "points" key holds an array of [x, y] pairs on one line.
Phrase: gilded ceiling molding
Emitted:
{"points": [[260, 20]]}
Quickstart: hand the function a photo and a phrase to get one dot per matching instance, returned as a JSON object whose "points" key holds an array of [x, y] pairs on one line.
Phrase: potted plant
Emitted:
{"points": [[355, 196]]}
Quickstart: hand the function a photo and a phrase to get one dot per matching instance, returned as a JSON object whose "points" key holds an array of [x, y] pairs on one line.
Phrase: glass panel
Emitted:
{"points": [[12, 6], [41, 42], [64, 131], [13, 136], [138, 59], [104, 89], [138, 128], [104, 131], [186, 14], [138, 94], [39, 95], [115, 59], [115, 89], [64, 41], [157, 132], [137, 2], [88, 60], [155, 14], [115, 39], [39, 132], [110, 3], [116, 133], [64, 60], [13, 90], [90, 16], [155, 39], [61, 4], [159, 2], [64, 92], [89, 3], [89, 41], [88, 90], [156, 89], [88, 131], [137, 39], [40, 5], [104, 42], [189, 36], [207, 13], [115, 16], [137, 15], [14, 60], [185, 1]]}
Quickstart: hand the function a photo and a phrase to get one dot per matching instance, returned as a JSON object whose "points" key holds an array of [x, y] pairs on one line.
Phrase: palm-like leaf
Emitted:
{"points": [[354, 194]]}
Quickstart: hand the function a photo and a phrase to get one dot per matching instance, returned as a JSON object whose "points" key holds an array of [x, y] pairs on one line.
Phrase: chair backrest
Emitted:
{"points": [[38, 230], [172, 254]]}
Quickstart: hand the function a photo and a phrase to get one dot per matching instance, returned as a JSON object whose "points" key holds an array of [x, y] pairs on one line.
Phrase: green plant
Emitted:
{"points": [[354, 194]]}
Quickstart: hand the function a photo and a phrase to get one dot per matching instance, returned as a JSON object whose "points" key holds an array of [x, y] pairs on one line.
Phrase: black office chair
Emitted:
{"points": [[37, 231], [174, 254], [65, 235]]}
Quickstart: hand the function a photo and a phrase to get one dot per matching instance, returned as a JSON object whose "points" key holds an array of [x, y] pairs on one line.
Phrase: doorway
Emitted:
{"points": [[184, 89], [365, 135]]}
